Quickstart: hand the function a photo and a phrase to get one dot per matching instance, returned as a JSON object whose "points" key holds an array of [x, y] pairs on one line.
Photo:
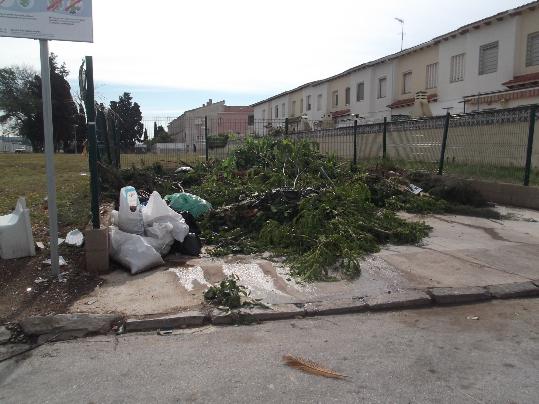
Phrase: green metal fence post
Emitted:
{"points": [[206, 136], [355, 142], [444, 143], [529, 148], [92, 141], [384, 139]]}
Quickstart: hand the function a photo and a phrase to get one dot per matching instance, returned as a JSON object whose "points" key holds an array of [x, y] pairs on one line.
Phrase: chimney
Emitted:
{"points": [[209, 101]]}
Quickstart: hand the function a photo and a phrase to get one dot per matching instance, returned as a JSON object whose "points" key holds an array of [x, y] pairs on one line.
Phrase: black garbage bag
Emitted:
{"points": [[191, 245], [191, 222]]}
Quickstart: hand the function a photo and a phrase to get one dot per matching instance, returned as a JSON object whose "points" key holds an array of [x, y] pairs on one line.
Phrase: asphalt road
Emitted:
{"points": [[422, 356]]}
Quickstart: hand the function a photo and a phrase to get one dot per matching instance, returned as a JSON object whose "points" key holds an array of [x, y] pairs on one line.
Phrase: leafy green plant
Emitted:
{"points": [[227, 293]]}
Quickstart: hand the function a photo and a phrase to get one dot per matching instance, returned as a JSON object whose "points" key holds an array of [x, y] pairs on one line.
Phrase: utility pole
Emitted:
{"points": [[402, 30]]}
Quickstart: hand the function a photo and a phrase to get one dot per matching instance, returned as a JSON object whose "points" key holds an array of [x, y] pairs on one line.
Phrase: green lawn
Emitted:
{"points": [[24, 175]]}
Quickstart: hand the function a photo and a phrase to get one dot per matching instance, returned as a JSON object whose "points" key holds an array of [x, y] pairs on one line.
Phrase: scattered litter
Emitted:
{"points": [[121, 330], [40, 280], [414, 189], [184, 169], [61, 261], [40, 245], [28, 289], [84, 174], [16, 239], [75, 238], [92, 301], [311, 367], [472, 318], [202, 330], [186, 202]]}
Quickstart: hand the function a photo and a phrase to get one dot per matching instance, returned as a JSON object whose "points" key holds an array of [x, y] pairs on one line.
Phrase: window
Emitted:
{"points": [[488, 58], [283, 113], [319, 102], [276, 111], [382, 87], [457, 68], [301, 105], [432, 76], [360, 91], [407, 83], [347, 96], [532, 50], [293, 112], [335, 98], [308, 103], [250, 120]]}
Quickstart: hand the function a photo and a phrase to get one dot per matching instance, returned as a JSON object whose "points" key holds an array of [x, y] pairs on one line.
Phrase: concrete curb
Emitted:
{"points": [[66, 326], [459, 295]]}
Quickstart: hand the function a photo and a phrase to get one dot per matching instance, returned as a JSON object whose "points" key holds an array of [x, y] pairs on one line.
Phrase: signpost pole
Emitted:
{"points": [[49, 153]]}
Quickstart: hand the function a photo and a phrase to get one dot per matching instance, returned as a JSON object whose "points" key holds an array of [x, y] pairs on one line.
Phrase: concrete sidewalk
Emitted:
{"points": [[461, 251]]}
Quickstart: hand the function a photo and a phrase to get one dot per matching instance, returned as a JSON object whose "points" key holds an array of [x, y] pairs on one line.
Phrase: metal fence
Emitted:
{"points": [[493, 145]]}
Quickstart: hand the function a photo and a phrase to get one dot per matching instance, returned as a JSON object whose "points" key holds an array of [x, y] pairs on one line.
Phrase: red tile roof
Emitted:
{"points": [[408, 102], [342, 112], [522, 80]]}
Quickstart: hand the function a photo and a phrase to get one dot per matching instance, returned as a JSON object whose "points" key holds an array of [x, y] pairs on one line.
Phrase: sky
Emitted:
{"points": [[173, 55]]}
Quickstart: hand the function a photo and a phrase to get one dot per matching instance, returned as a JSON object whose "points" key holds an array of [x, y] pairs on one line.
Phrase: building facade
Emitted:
{"points": [[190, 127], [491, 63]]}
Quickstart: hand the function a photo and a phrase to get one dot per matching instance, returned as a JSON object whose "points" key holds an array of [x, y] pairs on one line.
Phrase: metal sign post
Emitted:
{"points": [[48, 20], [49, 152]]}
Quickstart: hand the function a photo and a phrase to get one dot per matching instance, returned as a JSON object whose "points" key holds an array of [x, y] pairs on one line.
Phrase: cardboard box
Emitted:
{"points": [[96, 247]]}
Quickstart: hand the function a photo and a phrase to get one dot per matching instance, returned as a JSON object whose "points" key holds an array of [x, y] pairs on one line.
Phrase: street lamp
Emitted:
{"points": [[402, 30]]}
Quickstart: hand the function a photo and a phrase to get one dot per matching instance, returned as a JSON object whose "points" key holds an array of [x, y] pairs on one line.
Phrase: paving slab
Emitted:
{"points": [[513, 290], [459, 295], [470, 251]]}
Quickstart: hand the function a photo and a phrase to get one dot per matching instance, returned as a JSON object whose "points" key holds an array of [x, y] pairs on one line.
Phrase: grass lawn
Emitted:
{"points": [[24, 175]]}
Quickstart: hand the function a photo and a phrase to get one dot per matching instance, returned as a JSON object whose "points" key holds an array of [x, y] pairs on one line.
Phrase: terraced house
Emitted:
{"points": [[490, 63]]}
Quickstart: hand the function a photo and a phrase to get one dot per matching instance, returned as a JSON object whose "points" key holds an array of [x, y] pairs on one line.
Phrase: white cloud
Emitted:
{"points": [[245, 45]]}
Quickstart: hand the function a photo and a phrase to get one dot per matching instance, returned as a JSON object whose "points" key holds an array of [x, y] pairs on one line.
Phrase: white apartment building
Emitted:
{"points": [[491, 63]]}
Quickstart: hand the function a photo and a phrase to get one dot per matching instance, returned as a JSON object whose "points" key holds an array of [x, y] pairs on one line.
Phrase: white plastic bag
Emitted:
{"points": [[114, 218], [159, 236], [75, 238], [157, 211], [133, 251], [130, 218]]}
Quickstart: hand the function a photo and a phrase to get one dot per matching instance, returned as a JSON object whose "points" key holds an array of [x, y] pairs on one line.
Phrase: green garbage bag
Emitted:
{"points": [[186, 202]]}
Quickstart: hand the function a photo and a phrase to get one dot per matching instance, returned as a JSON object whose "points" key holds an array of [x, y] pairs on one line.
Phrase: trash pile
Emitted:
{"points": [[285, 197], [141, 234]]}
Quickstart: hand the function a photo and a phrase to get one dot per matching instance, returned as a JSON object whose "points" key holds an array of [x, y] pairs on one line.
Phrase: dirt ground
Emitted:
{"points": [[47, 294]]}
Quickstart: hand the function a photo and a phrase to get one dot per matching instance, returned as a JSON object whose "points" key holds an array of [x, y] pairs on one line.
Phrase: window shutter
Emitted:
{"points": [[532, 50], [488, 58]]}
